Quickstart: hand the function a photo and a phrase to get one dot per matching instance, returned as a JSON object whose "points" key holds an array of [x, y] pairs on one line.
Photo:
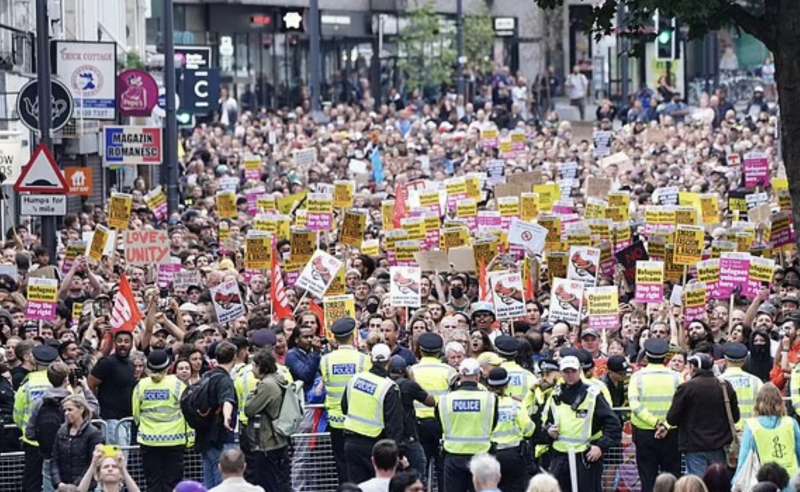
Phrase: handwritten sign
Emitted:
{"points": [[146, 247]]}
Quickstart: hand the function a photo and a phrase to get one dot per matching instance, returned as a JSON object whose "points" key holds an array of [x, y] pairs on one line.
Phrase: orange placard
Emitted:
{"points": [[79, 181]]}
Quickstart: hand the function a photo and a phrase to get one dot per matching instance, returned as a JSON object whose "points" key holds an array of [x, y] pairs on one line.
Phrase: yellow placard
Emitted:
{"points": [[708, 271], [603, 301], [336, 308], [454, 237], [370, 247], [508, 206], [43, 290], [387, 214], [406, 250], [709, 205], [415, 227], [258, 252], [343, 193], [287, 204], [119, 211], [473, 187], [528, 206], [266, 204], [98, 244], [689, 244], [466, 208], [549, 195], [595, 208], [226, 205], [303, 243], [685, 215], [456, 187], [353, 227]]}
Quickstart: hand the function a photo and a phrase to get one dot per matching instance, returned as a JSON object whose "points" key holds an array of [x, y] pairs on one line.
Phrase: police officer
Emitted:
{"points": [[156, 404], [547, 370], [513, 426], [650, 392], [616, 380], [31, 391], [521, 382], [575, 413], [338, 368], [373, 411], [745, 384], [434, 376], [467, 416], [587, 367]]}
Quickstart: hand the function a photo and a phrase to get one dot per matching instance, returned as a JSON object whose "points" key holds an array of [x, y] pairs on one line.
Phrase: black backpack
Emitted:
{"points": [[48, 420], [198, 404]]}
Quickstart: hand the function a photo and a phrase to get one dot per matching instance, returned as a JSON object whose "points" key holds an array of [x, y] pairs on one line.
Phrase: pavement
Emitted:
{"points": [[570, 113]]}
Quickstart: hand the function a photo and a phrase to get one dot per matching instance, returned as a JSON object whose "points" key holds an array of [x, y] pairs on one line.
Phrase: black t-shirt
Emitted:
{"points": [[18, 375], [116, 387], [410, 391], [221, 390]]}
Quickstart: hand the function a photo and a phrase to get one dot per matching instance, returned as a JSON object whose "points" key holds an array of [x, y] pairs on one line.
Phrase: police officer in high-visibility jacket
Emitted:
{"points": [[587, 366], [32, 390], [467, 416], [745, 385], [156, 404], [514, 425], [650, 393], [434, 377], [521, 382], [337, 368], [549, 376], [576, 412], [373, 411]]}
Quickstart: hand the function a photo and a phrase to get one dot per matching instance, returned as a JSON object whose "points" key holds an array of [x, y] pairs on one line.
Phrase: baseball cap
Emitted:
{"points": [[569, 362], [469, 367], [381, 353]]}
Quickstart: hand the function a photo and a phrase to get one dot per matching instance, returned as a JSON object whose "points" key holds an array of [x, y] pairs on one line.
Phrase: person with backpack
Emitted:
{"points": [[210, 408], [270, 447], [162, 429], [47, 415]]}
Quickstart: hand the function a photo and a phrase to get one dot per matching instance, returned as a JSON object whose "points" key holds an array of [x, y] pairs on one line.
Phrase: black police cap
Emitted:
{"points": [[343, 327], [506, 345], [430, 342], [656, 348]]}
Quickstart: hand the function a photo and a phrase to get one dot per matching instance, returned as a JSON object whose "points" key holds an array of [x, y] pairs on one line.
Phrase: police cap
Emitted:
{"points": [[343, 327], [430, 343], [498, 377], [655, 348], [506, 345], [158, 360], [734, 352], [44, 354]]}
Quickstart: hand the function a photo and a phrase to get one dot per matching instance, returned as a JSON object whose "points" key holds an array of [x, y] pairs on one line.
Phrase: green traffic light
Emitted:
{"points": [[665, 37]]}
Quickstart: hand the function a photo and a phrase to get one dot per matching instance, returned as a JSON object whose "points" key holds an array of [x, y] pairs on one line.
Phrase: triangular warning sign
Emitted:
{"points": [[41, 174]]}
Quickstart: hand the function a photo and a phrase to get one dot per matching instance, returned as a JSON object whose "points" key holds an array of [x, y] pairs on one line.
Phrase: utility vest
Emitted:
{"points": [[776, 445], [434, 377], [157, 412], [337, 369], [574, 426], [746, 387], [31, 391], [650, 393], [365, 396], [513, 424], [466, 417]]}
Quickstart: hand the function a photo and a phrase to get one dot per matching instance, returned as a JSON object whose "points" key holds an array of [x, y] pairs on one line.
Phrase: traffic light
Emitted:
{"points": [[665, 38]]}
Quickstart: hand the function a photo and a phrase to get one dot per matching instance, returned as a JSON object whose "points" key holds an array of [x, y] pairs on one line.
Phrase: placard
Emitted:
{"points": [[603, 307], [649, 282], [119, 211], [343, 193], [146, 247], [73, 251], [305, 158], [227, 300], [531, 237], [319, 211], [156, 201], [566, 299], [318, 273], [97, 245], [226, 205], [258, 251], [167, 272], [336, 308], [507, 295], [584, 264], [695, 301], [353, 227], [42, 299], [733, 273], [404, 284], [756, 170], [689, 244]]}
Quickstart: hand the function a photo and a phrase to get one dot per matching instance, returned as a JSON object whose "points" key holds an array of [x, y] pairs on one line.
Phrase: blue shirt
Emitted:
{"points": [[303, 366], [749, 444], [406, 354]]}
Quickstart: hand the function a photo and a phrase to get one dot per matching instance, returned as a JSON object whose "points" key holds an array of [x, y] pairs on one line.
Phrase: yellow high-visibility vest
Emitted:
{"points": [[31, 391], [434, 377], [776, 445], [157, 412], [650, 392], [466, 417], [337, 369], [365, 396]]}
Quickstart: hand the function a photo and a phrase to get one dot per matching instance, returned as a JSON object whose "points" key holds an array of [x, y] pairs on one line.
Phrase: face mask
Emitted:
{"points": [[457, 292]]}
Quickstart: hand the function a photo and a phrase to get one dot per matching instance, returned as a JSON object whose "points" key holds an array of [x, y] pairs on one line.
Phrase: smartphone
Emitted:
{"points": [[110, 450]]}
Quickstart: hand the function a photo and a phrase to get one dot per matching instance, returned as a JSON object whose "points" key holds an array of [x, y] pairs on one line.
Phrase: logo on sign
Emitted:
{"points": [[79, 180], [88, 80]]}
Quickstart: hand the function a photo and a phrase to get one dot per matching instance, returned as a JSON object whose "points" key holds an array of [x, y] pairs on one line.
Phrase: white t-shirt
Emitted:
{"points": [[577, 85], [375, 485]]}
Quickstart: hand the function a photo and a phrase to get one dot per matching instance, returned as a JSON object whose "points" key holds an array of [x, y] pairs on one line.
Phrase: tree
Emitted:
{"points": [[427, 57], [776, 23], [478, 41]]}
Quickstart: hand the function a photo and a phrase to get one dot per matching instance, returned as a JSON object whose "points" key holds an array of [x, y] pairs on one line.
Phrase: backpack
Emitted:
{"points": [[48, 420], [291, 416], [197, 404]]}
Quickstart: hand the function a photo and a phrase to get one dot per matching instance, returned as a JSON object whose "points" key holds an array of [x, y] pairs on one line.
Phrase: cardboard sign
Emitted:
{"points": [[186, 278], [462, 259], [433, 261], [119, 211], [97, 246], [584, 264], [598, 187], [167, 272], [695, 301], [531, 237], [566, 299], [404, 284], [73, 251], [343, 193], [319, 211], [649, 282], [318, 273], [336, 308], [305, 158], [147, 247], [227, 301], [734, 270], [689, 244], [507, 295], [258, 251], [603, 307], [156, 201], [353, 227], [42, 299], [226, 205]]}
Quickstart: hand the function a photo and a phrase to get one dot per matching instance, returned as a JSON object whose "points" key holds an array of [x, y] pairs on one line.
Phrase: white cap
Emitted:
{"points": [[381, 353], [469, 367], [189, 307], [569, 362]]}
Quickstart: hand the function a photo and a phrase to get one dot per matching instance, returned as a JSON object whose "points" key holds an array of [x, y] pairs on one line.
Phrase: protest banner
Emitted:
{"points": [[454, 237], [167, 272], [584, 264], [258, 251], [73, 251], [507, 295], [695, 301], [319, 211], [303, 243], [531, 237], [756, 170], [387, 215], [649, 282], [708, 273], [689, 244], [760, 273], [628, 257], [353, 227], [156, 201], [566, 299], [266, 204], [343, 193], [415, 227], [146, 247], [305, 158], [288, 204], [733, 273], [339, 284], [186, 278], [404, 284], [318, 273], [602, 142], [97, 245], [252, 167], [406, 251], [429, 200], [336, 308], [781, 232], [709, 206], [226, 205], [119, 211], [227, 301], [552, 223], [603, 307], [42, 299]]}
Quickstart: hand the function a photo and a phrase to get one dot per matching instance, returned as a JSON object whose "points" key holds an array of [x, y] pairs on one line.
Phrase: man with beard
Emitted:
{"points": [[112, 381], [699, 332]]}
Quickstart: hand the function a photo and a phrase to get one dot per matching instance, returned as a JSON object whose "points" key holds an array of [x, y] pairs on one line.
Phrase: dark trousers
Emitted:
{"points": [[272, 470], [337, 444], [654, 456], [589, 474], [163, 467], [358, 456], [32, 474], [513, 470], [430, 433], [457, 477]]}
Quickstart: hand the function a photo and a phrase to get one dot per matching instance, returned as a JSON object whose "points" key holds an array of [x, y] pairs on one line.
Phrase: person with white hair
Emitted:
{"points": [[454, 353], [543, 482], [485, 471]]}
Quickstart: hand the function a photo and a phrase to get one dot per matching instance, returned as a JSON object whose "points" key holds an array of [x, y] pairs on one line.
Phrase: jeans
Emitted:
{"points": [[697, 462], [47, 477], [211, 474]]}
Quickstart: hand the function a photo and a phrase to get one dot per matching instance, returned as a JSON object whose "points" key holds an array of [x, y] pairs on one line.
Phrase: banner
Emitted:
{"points": [[734, 269], [689, 244], [132, 146], [584, 264], [318, 273], [336, 308], [603, 307], [566, 299], [404, 283], [119, 211], [649, 282], [147, 247], [756, 170], [530, 236], [507, 295], [227, 301], [42, 299]]}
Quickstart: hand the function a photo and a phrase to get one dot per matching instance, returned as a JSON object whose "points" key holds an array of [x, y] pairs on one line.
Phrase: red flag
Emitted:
{"points": [[277, 294], [484, 294], [527, 279], [125, 313], [317, 309]]}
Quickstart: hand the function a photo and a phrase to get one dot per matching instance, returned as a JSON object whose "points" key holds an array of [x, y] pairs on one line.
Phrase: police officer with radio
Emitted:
{"points": [[372, 411]]}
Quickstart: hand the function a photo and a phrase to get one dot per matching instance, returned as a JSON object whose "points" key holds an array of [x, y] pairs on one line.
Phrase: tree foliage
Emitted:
{"points": [[478, 41], [427, 57]]}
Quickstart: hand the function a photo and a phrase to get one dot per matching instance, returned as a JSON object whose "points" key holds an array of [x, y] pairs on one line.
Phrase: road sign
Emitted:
{"points": [[79, 180], [41, 175], [28, 105], [199, 90], [51, 205]]}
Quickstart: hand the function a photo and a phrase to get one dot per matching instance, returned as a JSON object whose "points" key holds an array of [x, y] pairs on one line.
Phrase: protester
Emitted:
{"points": [[109, 469], [385, 458]]}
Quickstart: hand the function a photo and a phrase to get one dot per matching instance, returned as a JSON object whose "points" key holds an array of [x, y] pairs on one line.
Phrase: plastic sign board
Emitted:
{"points": [[131, 146], [41, 175], [40, 205], [90, 71]]}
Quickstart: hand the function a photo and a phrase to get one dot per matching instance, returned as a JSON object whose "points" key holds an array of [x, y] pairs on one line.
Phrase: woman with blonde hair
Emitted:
{"points": [[690, 483], [771, 434], [74, 443]]}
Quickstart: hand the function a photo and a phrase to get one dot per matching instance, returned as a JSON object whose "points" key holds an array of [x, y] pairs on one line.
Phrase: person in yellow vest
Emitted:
{"points": [[549, 376], [373, 411], [434, 376], [31, 391], [576, 413], [771, 434], [587, 368], [467, 416], [337, 368], [521, 382], [514, 426], [650, 392], [156, 404], [744, 384]]}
